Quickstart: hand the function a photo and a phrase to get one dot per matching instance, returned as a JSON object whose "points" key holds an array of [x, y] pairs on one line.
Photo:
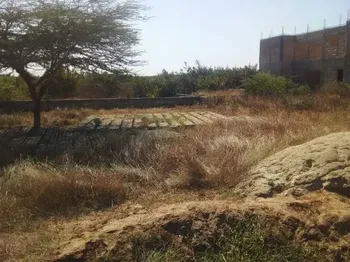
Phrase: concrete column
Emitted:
{"points": [[347, 57]]}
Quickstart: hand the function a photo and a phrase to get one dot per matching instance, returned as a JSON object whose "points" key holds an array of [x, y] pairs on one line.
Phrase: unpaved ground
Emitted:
{"points": [[318, 218], [321, 218]]}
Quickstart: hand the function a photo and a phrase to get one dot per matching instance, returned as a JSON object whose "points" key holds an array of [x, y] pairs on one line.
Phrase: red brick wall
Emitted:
{"points": [[288, 49], [325, 51], [300, 50], [335, 46], [315, 50], [333, 42]]}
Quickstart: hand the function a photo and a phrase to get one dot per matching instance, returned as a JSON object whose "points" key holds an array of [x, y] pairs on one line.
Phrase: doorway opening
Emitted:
{"points": [[340, 75]]}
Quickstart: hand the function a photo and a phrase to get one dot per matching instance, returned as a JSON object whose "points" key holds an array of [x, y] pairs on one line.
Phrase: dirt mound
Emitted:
{"points": [[307, 219], [323, 163], [321, 219]]}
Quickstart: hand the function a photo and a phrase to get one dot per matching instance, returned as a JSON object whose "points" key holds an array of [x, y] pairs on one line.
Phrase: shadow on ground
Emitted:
{"points": [[83, 144]]}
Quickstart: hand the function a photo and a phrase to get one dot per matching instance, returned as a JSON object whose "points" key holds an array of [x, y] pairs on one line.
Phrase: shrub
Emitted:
{"points": [[142, 87], [264, 84], [162, 85], [99, 85], [190, 79], [300, 90], [200, 77], [12, 88], [336, 88], [108, 85], [166, 84], [62, 84], [211, 83]]}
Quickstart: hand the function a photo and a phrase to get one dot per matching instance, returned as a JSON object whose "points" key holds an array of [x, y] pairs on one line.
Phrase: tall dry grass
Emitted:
{"points": [[51, 118], [214, 156], [30, 190], [220, 154]]}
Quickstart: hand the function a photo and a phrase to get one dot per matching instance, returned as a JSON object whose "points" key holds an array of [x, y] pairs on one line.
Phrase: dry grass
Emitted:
{"points": [[50, 118], [214, 156], [31, 190], [230, 92], [219, 154]]}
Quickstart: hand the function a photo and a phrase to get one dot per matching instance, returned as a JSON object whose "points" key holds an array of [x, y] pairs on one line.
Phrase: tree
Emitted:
{"points": [[40, 37]]}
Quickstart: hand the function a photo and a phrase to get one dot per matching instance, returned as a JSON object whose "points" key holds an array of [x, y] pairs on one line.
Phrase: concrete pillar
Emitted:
{"points": [[347, 57]]}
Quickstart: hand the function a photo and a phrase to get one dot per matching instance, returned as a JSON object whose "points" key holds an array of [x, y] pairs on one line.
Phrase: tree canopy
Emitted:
{"points": [[39, 37]]}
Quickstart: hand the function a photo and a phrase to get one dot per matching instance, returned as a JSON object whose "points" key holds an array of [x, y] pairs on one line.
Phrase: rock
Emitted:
{"points": [[323, 163]]}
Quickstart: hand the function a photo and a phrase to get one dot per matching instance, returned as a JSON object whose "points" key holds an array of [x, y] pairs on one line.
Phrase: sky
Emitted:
{"points": [[225, 32]]}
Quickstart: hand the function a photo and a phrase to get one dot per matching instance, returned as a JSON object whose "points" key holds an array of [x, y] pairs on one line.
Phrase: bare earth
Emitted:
{"points": [[321, 218]]}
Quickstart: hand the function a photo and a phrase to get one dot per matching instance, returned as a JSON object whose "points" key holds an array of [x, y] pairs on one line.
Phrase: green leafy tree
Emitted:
{"points": [[40, 37]]}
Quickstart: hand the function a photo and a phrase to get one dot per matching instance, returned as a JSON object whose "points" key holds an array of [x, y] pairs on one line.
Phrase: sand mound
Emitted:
{"points": [[321, 219], [323, 163]]}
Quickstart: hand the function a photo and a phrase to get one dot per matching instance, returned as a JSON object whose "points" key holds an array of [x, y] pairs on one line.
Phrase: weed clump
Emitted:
{"points": [[29, 190]]}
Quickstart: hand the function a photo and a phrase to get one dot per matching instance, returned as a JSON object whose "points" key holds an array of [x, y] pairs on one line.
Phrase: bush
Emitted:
{"points": [[66, 84], [12, 88], [213, 78], [162, 85], [62, 84], [142, 87], [189, 80], [211, 83], [100, 85], [300, 90], [166, 83], [336, 88], [263, 84]]}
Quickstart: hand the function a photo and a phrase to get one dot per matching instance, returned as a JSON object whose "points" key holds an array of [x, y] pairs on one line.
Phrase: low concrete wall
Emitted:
{"points": [[106, 103]]}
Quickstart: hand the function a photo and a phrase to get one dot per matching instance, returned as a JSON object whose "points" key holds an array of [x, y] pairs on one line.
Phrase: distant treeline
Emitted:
{"points": [[68, 84]]}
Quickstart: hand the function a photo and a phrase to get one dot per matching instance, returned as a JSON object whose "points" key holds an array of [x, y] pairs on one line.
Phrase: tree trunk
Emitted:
{"points": [[36, 111], [36, 96]]}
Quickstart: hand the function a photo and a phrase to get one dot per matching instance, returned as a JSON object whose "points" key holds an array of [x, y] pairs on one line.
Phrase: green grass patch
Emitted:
{"points": [[241, 240]]}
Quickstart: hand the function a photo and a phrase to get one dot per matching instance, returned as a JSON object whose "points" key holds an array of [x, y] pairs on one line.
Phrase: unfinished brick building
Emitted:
{"points": [[312, 58]]}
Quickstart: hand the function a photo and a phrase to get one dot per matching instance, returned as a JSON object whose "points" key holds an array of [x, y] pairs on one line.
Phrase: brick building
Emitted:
{"points": [[312, 58]]}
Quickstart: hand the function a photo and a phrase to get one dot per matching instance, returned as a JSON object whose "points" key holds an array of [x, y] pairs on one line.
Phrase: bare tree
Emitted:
{"points": [[39, 37]]}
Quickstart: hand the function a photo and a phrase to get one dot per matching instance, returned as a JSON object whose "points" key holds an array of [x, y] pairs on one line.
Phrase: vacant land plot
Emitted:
{"points": [[60, 201]]}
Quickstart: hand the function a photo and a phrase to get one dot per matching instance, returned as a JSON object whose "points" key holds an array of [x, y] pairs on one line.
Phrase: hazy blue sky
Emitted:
{"points": [[225, 32]]}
